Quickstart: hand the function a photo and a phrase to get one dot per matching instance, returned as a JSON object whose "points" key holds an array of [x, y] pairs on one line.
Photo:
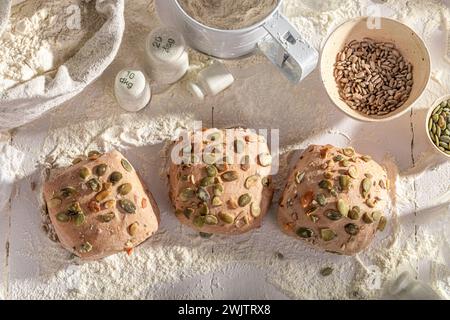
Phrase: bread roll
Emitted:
{"points": [[227, 188], [334, 199], [99, 206]]}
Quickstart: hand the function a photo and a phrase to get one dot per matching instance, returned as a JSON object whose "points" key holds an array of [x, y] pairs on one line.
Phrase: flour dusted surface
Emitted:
{"points": [[42, 35]]}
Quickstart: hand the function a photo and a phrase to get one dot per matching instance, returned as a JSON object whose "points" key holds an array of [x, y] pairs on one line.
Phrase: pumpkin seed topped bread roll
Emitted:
{"points": [[335, 199], [222, 185], [99, 206]]}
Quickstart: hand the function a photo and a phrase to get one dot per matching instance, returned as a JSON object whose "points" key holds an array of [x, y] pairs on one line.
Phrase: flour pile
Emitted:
{"points": [[38, 38], [177, 262]]}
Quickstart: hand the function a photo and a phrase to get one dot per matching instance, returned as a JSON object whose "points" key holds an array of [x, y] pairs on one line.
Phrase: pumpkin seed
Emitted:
{"points": [[63, 217], [218, 190], [351, 229], [205, 235], [345, 163], [225, 217], [94, 184], [85, 247], [84, 173], [207, 181], [68, 192], [344, 182], [102, 195], [211, 171], [338, 158], [115, 177], [187, 194], [321, 199], [94, 155], [327, 234], [311, 210], [366, 185], [127, 205], [353, 172], [199, 221], [367, 218], [133, 229], [54, 203], [216, 202], [370, 203], [209, 158], [74, 209], [376, 215], [382, 224], [230, 176], [107, 217], [333, 215], [203, 194], [265, 182], [188, 212], [328, 175], [126, 165], [299, 176], [244, 200], [305, 233], [100, 170], [445, 139], [255, 210], [343, 207], [211, 220], [251, 181], [245, 163], [366, 158], [265, 159], [349, 152], [325, 272], [80, 219], [125, 189], [326, 184], [239, 146], [354, 213]]}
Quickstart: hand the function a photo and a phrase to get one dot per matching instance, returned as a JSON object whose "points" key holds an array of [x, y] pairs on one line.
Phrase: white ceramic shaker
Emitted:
{"points": [[132, 90], [167, 56], [211, 81]]}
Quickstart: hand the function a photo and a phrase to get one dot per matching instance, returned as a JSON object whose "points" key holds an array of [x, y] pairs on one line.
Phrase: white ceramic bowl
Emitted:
{"points": [[407, 42], [427, 119]]}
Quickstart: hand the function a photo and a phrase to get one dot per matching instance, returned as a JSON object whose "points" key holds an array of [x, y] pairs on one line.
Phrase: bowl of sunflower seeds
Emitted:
{"points": [[375, 69], [438, 125]]}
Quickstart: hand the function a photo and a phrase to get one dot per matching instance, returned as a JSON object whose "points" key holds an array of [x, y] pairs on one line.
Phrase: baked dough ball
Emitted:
{"points": [[99, 206], [334, 199], [222, 185]]}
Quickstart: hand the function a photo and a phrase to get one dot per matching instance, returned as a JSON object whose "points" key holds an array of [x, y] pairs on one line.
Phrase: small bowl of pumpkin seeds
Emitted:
{"points": [[438, 125]]}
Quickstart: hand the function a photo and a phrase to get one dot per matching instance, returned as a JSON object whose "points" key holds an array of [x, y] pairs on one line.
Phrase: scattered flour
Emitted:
{"points": [[177, 253], [38, 38]]}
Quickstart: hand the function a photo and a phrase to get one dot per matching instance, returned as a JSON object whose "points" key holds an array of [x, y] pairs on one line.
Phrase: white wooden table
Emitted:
{"points": [[21, 238]]}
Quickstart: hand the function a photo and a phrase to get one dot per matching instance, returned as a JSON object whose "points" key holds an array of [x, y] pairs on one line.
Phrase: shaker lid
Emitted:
{"points": [[165, 44]]}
